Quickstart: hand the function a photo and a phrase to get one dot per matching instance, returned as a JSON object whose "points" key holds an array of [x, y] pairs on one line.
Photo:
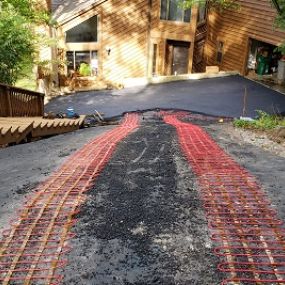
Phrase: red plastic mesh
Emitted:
{"points": [[32, 250], [247, 233]]}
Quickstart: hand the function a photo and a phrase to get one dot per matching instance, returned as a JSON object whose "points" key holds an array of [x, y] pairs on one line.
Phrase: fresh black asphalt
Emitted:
{"points": [[219, 97]]}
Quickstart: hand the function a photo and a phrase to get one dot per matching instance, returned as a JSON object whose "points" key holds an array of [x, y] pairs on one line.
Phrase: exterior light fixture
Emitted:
{"points": [[108, 50]]}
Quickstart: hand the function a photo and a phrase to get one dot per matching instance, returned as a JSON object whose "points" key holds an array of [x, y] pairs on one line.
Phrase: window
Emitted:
{"points": [[202, 13], [171, 11], [154, 59], [84, 32], [75, 58], [220, 52]]}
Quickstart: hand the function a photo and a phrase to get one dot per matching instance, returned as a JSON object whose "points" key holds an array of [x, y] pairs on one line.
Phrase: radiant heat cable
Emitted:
{"points": [[32, 250], [249, 236]]}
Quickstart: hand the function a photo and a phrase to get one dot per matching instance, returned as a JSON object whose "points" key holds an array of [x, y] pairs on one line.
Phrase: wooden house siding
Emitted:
{"points": [[124, 31], [131, 30], [254, 19], [162, 30], [122, 28]]}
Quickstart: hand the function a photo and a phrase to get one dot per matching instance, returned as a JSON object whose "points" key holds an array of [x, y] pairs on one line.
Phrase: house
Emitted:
{"points": [[236, 37], [123, 39]]}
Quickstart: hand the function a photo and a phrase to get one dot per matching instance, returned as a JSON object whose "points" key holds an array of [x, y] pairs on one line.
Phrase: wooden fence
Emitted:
{"points": [[18, 102]]}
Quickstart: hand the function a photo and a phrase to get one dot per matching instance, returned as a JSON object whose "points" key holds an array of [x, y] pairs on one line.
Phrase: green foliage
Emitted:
{"points": [[85, 69], [264, 122], [280, 21], [18, 40], [212, 4], [16, 45]]}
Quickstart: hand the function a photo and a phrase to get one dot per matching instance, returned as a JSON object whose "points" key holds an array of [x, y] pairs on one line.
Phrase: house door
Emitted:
{"points": [[180, 60]]}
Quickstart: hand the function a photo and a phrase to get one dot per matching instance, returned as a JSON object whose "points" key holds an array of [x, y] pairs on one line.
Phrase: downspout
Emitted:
{"points": [[149, 18]]}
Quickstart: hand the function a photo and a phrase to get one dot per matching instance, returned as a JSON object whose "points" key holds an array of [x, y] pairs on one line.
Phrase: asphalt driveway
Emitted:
{"points": [[219, 96]]}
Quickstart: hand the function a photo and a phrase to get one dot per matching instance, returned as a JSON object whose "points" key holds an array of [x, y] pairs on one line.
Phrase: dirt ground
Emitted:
{"points": [[143, 222]]}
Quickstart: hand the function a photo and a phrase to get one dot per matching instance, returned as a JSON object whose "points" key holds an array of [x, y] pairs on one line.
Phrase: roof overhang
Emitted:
{"points": [[67, 11]]}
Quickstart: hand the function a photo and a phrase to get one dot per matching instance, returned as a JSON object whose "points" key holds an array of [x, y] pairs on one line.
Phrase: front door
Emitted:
{"points": [[180, 59]]}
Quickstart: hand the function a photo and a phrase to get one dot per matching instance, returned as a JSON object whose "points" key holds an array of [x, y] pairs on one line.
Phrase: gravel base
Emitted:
{"points": [[143, 222]]}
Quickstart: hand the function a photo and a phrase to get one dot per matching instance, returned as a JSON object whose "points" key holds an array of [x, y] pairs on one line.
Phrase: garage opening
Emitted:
{"points": [[263, 58], [266, 65]]}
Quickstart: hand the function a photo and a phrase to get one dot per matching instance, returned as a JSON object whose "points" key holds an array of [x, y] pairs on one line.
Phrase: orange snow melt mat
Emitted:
{"points": [[248, 235], [32, 250]]}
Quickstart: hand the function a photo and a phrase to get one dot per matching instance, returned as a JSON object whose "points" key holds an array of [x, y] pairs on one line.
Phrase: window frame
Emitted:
{"points": [[74, 57], [167, 12]]}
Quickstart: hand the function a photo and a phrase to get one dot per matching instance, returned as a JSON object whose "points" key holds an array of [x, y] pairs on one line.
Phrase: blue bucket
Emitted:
{"points": [[70, 112]]}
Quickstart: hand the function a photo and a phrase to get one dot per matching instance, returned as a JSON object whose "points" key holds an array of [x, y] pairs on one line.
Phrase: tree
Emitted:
{"points": [[18, 40]]}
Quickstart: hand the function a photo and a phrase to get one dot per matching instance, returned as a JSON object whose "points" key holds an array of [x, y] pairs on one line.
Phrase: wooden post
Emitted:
{"points": [[8, 98], [41, 105]]}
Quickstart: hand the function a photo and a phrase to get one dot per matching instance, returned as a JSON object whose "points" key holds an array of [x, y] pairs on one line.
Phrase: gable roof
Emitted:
{"points": [[69, 9], [278, 6]]}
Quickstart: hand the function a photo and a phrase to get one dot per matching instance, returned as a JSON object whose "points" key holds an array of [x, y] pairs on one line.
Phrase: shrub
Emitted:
{"points": [[85, 69], [264, 121]]}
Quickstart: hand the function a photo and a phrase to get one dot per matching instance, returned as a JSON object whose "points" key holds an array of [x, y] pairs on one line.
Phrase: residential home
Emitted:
{"points": [[123, 39]]}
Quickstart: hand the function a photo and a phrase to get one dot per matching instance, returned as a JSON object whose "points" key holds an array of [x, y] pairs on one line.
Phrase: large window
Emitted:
{"points": [[84, 32], [170, 10]]}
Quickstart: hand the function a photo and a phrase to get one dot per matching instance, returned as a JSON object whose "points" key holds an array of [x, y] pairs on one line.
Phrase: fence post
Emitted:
{"points": [[41, 105], [8, 98]]}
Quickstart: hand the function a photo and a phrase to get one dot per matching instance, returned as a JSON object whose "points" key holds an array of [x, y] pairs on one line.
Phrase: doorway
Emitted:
{"points": [[177, 57]]}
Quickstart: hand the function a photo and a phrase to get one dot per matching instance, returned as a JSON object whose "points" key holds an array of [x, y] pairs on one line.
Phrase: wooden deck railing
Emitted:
{"points": [[18, 102]]}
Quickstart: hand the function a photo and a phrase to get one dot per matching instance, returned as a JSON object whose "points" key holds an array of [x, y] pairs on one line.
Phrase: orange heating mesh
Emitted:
{"points": [[249, 236], [32, 250]]}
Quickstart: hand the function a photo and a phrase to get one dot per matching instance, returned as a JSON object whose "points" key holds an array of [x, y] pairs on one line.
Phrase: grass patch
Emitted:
{"points": [[264, 122], [27, 82]]}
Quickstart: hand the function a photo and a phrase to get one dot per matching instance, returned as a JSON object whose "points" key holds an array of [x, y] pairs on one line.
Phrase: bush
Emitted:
{"points": [[16, 46], [19, 40], [85, 69], [265, 121]]}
